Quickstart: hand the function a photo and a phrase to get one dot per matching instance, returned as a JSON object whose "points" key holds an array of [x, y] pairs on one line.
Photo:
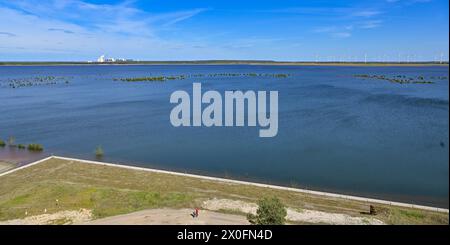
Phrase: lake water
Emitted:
{"points": [[336, 133]]}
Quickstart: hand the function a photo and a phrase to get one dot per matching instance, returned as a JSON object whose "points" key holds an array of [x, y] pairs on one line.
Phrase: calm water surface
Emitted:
{"points": [[336, 132]]}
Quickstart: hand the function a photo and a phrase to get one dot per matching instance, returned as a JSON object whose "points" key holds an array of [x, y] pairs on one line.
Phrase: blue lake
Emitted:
{"points": [[337, 132]]}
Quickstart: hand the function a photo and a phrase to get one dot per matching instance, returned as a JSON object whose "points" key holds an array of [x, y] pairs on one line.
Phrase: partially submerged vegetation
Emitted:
{"points": [[35, 147], [34, 81], [277, 75], [182, 77], [401, 79], [109, 191], [12, 143], [99, 152], [149, 79]]}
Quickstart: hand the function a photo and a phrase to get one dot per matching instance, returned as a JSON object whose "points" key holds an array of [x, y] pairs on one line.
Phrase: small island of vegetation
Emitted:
{"points": [[99, 152], [182, 77], [149, 79], [35, 147], [11, 143], [400, 79], [34, 81]]}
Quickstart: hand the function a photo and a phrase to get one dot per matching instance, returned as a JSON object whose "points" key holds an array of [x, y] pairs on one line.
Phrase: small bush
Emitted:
{"points": [[21, 146], [99, 151], [270, 212], [281, 75], [2, 143], [35, 147]]}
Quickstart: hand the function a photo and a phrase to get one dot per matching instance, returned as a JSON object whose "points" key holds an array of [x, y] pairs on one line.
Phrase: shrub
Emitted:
{"points": [[20, 146], [2, 143], [99, 151], [270, 212], [281, 75], [35, 147]]}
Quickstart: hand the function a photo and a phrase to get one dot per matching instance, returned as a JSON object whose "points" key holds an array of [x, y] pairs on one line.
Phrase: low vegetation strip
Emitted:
{"points": [[34, 81], [402, 79], [182, 77], [57, 184]]}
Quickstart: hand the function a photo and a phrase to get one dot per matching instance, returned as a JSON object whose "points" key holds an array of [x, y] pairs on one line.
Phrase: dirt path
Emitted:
{"points": [[58, 218], [302, 216], [171, 217], [210, 214]]}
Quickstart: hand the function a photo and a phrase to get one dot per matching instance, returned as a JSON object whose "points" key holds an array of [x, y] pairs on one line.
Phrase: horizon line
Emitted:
{"points": [[225, 60]]}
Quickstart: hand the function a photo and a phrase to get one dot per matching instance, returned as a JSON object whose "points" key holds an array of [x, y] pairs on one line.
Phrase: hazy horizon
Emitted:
{"points": [[228, 60]]}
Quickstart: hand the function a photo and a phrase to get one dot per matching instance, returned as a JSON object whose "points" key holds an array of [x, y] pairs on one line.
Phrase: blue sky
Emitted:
{"points": [[288, 30]]}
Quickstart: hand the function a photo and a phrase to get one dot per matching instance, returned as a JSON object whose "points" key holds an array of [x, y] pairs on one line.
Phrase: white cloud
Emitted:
{"points": [[61, 30], [327, 29], [366, 13], [370, 24], [122, 17], [73, 27], [244, 43], [350, 20], [408, 2], [342, 34], [7, 34]]}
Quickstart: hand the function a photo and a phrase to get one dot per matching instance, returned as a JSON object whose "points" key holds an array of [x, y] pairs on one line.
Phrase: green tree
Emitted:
{"points": [[271, 211]]}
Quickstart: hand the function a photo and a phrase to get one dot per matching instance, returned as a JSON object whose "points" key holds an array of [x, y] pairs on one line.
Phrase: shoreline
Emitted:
{"points": [[214, 63], [223, 180]]}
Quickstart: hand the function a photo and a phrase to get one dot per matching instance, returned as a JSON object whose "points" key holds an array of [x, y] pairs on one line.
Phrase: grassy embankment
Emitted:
{"points": [[110, 191]]}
